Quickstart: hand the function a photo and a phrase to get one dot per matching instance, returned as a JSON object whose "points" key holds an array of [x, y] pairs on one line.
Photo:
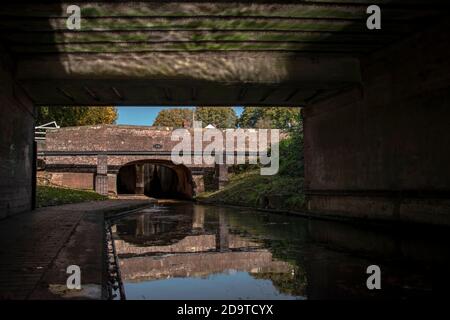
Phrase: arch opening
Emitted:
{"points": [[156, 180]]}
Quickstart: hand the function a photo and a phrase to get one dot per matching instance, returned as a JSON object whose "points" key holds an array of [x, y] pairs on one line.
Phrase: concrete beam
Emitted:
{"points": [[230, 67], [135, 79]]}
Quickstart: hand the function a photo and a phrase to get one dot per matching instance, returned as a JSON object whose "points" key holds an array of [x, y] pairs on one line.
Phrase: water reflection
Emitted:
{"points": [[187, 251]]}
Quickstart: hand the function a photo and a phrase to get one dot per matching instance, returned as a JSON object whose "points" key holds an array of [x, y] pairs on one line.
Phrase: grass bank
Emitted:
{"points": [[54, 196], [251, 189], [283, 191]]}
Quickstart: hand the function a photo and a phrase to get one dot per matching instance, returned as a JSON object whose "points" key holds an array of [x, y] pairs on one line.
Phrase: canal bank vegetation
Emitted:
{"points": [[55, 196], [250, 189], [283, 191]]}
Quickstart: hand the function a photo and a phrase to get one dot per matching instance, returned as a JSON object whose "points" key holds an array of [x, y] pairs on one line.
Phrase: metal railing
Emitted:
{"points": [[40, 132]]}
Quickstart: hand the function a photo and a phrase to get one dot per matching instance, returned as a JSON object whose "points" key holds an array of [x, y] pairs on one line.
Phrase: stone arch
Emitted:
{"points": [[155, 178]]}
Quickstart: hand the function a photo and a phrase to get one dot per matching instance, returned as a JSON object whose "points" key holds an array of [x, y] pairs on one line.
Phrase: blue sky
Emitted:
{"points": [[144, 116]]}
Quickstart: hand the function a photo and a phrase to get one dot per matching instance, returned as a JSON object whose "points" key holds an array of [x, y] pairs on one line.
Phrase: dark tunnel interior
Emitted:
{"points": [[153, 180]]}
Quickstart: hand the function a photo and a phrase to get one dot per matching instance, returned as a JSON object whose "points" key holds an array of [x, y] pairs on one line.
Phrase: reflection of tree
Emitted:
{"points": [[276, 234], [275, 231], [294, 284]]}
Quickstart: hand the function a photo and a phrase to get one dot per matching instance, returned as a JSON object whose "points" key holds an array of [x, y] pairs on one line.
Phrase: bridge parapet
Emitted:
{"points": [[91, 156]]}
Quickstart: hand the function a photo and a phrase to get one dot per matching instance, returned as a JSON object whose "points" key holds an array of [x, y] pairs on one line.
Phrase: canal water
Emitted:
{"points": [[190, 251]]}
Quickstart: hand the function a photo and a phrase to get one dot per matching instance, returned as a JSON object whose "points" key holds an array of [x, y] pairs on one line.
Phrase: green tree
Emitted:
{"points": [[290, 120], [250, 116], [220, 117], [76, 116], [269, 117], [291, 151], [98, 115], [174, 117]]}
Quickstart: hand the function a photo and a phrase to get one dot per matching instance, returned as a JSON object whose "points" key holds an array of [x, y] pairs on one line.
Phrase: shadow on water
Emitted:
{"points": [[188, 251]]}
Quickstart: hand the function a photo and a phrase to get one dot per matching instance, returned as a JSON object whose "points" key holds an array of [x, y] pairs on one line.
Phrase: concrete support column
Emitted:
{"points": [[16, 143], [101, 178], [112, 183], [223, 235], [140, 225], [199, 183], [221, 175], [198, 220], [140, 179], [381, 151]]}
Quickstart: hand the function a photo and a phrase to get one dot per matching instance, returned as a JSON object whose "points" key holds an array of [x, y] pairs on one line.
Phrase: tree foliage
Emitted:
{"points": [[269, 117], [291, 152], [291, 148], [220, 117], [174, 118], [76, 116]]}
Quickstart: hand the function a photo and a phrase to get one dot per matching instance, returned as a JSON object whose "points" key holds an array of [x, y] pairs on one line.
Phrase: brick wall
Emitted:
{"points": [[16, 144], [77, 180], [382, 150], [120, 138]]}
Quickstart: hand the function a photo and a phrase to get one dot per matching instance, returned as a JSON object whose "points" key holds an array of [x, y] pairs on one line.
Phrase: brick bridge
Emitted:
{"points": [[118, 159]]}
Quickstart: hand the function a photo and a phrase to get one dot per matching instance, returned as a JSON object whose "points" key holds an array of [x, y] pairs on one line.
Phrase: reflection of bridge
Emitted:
{"points": [[213, 251], [200, 243], [200, 264], [125, 159], [330, 262]]}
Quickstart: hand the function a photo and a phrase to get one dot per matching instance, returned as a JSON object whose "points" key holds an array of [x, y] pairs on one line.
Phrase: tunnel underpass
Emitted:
{"points": [[155, 180], [375, 101], [375, 119]]}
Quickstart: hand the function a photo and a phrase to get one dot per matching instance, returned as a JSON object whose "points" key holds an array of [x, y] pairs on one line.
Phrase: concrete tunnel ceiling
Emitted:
{"points": [[200, 52]]}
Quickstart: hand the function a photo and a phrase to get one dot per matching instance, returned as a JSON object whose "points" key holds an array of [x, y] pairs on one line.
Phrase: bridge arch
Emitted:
{"points": [[155, 178]]}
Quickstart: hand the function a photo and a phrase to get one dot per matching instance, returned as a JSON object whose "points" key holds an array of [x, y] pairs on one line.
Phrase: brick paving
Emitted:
{"points": [[30, 243]]}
